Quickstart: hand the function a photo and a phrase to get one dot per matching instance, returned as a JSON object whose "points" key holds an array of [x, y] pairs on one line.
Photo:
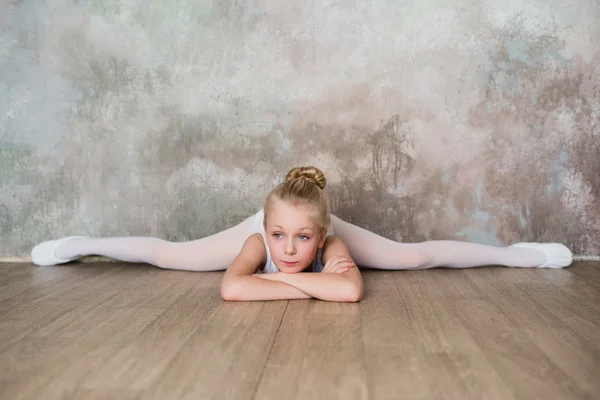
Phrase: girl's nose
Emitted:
{"points": [[290, 249]]}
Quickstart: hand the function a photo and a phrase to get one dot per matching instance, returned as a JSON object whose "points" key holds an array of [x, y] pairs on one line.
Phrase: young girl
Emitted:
{"points": [[275, 253]]}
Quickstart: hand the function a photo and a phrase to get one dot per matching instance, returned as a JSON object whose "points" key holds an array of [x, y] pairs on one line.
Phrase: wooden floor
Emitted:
{"points": [[130, 331]]}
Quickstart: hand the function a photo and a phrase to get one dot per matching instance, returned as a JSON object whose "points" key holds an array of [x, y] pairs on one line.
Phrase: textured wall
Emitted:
{"points": [[469, 120]]}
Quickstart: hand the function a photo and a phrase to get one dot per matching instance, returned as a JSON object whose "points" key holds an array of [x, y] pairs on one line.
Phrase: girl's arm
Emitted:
{"points": [[238, 284], [343, 287]]}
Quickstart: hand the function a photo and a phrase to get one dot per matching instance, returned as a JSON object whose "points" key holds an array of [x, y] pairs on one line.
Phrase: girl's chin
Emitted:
{"points": [[292, 270]]}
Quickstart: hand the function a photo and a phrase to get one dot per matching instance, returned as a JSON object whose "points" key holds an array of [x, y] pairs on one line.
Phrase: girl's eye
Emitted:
{"points": [[277, 235], [303, 237]]}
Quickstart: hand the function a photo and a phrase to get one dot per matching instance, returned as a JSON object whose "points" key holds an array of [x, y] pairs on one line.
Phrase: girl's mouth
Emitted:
{"points": [[289, 264]]}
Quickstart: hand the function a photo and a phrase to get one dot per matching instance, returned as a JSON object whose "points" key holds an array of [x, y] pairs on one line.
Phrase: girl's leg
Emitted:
{"points": [[211, 253], [371, 250]]}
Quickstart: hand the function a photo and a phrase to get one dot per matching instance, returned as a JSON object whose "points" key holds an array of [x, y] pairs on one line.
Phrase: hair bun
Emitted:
{"points": [[311, 174]]}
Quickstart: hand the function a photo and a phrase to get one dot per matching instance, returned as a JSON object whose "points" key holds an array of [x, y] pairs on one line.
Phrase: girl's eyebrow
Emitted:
{"points": [[304, 227]]}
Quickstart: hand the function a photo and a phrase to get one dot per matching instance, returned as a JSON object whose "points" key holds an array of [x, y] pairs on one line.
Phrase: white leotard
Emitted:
{"points": [[317, 265]]}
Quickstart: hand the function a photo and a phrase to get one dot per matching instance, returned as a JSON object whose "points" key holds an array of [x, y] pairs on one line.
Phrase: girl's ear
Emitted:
{"points": [[322, 238]]}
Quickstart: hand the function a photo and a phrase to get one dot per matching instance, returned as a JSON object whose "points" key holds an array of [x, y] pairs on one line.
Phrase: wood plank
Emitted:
{"points": [[396, 357], [63, 362], [528, 371], [96, 330], [248, 366], [140, 363], [333, 365], [14, 269], [588, 271], [576, 356], [569, 306], [181, 319], [432, 317], [198, 370], [31, 312], [476, 375], [451, 283], [150, 292], [104, 394], [46, 284], [100, 330], [284, 363]]}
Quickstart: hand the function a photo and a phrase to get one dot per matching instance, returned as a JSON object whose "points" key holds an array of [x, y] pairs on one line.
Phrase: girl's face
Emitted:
{"points": [[293, 237]]}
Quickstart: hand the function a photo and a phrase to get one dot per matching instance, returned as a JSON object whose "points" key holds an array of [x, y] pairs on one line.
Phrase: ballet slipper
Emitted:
{"points": [[43, 253], [557, 255]]}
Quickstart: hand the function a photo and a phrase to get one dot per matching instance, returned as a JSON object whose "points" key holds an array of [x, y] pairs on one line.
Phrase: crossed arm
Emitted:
{"points": [[240, 283]]}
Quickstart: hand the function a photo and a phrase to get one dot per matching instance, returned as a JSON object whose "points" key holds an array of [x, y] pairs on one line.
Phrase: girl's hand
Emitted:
{"points": [[338, 265]]}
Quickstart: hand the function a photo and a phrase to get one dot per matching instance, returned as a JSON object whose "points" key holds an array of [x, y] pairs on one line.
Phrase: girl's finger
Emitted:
{"points": [[333, 268], [332, 262], [335, 264], [342, 267], [347, 264]]}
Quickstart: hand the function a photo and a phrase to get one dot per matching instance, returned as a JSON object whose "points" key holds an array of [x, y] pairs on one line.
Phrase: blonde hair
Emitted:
{"points": [[302, 186]]}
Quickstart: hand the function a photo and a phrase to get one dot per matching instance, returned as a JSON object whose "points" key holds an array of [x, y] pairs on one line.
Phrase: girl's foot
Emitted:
{"points": [[44, 253], [557, 255]]}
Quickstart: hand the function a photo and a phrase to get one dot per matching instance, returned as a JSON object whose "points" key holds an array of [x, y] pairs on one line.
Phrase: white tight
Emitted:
{"points": [[368, 249]]}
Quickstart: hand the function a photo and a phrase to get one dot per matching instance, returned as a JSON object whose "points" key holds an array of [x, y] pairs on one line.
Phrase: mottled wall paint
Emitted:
{"points": [[468, 120]]}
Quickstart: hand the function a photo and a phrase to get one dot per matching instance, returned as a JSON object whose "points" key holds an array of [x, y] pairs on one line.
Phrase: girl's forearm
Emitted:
{"points": [[323, 286], [252, 288]]}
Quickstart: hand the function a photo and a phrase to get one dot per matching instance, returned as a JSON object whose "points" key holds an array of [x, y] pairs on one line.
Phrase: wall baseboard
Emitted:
{"points": [[82, 259], [106, 259], [586, 258]]}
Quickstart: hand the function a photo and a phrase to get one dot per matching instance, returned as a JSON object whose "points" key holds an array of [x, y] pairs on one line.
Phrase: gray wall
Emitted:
{"points": [[467, 120]]}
